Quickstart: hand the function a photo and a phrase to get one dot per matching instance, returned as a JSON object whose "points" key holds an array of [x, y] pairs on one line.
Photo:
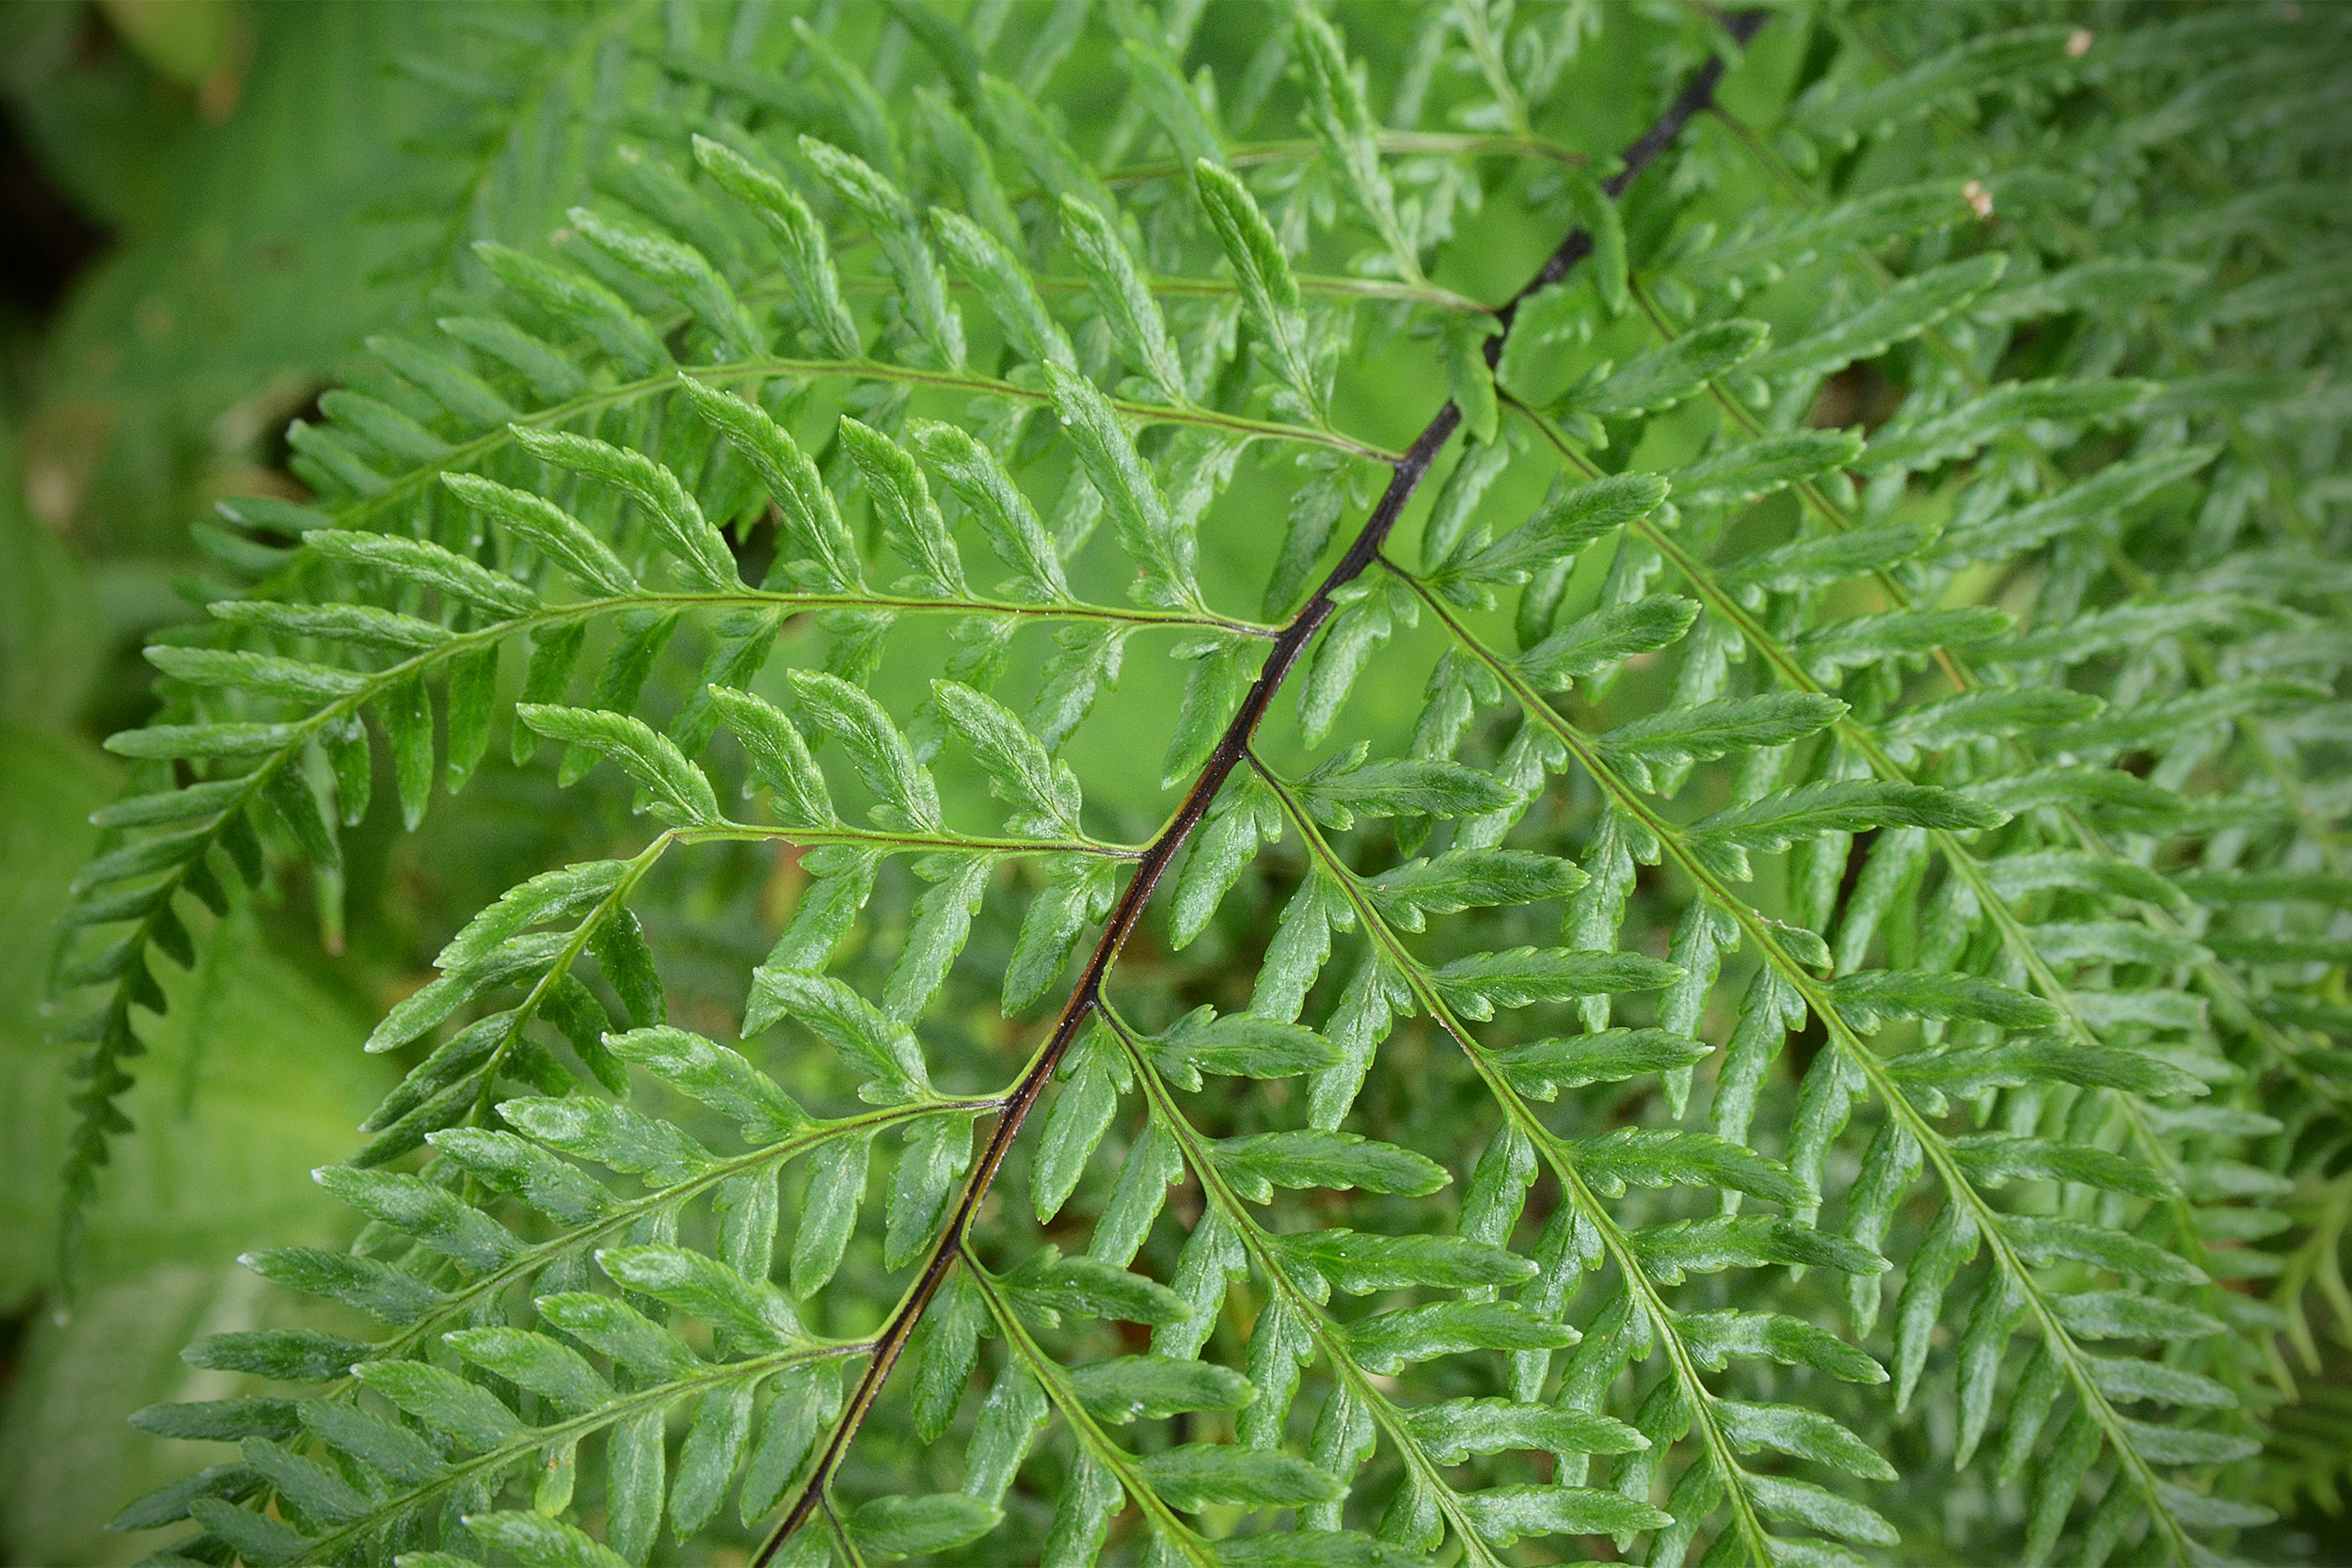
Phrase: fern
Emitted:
{"points": [[1889, 1051]]}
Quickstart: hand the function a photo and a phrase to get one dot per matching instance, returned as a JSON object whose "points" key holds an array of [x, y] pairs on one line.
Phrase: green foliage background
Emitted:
{"points": [[277, 183]]}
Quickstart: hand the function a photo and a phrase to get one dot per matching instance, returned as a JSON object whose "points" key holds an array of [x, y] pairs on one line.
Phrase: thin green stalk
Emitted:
{"points": [[1574, 1189], [336, 1545], [1328, 1338], [1091, 1437], [1816, 995], [462, 453]]}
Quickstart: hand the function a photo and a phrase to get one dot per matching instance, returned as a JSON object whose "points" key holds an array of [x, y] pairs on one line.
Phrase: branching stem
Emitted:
{"points": [[1408, 470]]}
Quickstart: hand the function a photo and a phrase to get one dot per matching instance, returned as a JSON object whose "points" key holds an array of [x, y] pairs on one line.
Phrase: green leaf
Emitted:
{"points": [[1743, 473], [878, 748], [937, 1151], [284, 1354], [613, 1328], [969, 161], [1809, 562], [1161, 552], [1809, 811], [909, 1527], [1471, 380], [1311, 1156], [1244, 814], [903, 507], [1160, 85], [524, 1171], [1602, 223], [1469, 879], [579, 303], [1389, 1342], [1571, 518], [1092, 1078], [1976, 716], [614, 1135], [1891, 316], [1647, 749], [1868, 995], [1959, 431], [219, 1421], [1197, 1475], [434, 1215], [1003, 284], [1238, 1045], [1077, 894], [707, 1462], [1153, 1388], [1675, 1250], [546, 1367], [538, 1542], [1342, 124], [1817, 1508], [1269, 294], [807, 259], [778, 756], [1992, 1158], [1091, 1287], [948, 1350], [1604, 639], [1359, 1263], [1661, 1157], [1348, 787], [679, 270], [837, 1185], [1861, 640], [1803, 1434], [680, 789], [699, 550], [1542, 1068], [1454, 1430], [444, 1401], [1768, 249], [1057, 169], [1715, 1337], [1309, 1549], [1476, 986], [2128, 1315], [383, 1293], [2096, 499], [364, 625], [753, 1313], [921, 286], [717, 1077], [554, 532], [1129, 312], [1502, 1514], [167, 741], [1661, 377], [1212, 693], [823, 558], [973, 472], [1043, 791], [426, 565], [880, 1048]]}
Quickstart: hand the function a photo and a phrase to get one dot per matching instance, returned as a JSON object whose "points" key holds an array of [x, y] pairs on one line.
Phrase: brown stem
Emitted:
{"points": [[1232, 750]]}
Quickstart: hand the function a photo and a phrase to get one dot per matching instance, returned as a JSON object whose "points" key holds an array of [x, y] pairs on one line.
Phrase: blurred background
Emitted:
{"points": [[200, 221]]}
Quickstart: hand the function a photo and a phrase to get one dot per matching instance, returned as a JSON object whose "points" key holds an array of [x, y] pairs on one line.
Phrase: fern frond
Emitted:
{"points": [[1943, 882]]}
